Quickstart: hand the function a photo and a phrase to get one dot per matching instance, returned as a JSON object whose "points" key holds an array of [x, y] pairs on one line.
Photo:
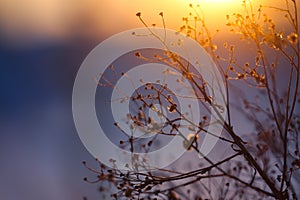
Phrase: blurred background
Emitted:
{"points": [[42, 45]]}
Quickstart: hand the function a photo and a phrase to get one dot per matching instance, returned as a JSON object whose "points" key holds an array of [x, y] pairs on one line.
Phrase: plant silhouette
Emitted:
{"points": [[262, 91]]}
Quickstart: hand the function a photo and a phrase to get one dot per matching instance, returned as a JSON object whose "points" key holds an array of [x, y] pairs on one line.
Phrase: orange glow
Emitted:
{"points": [[213, 1], [94, 18]]}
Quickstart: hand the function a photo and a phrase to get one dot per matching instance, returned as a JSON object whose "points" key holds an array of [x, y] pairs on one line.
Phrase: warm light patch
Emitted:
{"points": [[223, 4], [216, 1], [92, 18], [214, 11]]}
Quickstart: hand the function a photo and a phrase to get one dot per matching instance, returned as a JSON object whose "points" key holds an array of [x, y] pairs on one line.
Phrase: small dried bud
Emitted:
{"points": [[241, 76], [172, 108], [293, 38], [137, 54]]}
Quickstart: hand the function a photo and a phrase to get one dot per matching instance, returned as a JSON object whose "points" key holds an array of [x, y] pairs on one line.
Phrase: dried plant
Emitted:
{"points": [[264, 162]]}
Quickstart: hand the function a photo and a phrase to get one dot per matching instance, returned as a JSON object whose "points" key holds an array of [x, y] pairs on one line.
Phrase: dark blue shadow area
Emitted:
{"points": [[40, 150]]}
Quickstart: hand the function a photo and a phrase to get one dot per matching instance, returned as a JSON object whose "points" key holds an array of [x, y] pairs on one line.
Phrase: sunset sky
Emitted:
{"points": [[42, 45], [55, 19]]}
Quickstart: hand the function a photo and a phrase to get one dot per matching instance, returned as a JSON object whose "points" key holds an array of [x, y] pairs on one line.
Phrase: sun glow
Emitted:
{"points": [[215, 11], [55, 18], [224, 4], [216, 1]]}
